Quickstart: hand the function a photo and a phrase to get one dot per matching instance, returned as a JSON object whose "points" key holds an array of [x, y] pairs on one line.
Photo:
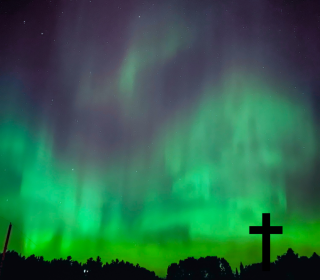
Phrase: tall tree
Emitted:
{"points": [[241, 268]]}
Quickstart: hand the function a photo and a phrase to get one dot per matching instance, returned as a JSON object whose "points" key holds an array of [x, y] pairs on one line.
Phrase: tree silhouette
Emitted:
{"points": [[203, 268], [288, 267], [241, 268]]}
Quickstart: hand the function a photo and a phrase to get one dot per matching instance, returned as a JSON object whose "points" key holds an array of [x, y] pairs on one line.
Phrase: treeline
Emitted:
{"points": [[288, 266]]}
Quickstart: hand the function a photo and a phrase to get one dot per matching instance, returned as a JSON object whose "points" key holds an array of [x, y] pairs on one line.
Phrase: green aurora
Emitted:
{"points": [[203, 176], [225, 164]]}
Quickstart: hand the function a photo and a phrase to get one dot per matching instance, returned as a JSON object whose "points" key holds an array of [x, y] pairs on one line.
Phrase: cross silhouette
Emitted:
{"points": [[265, 230]]}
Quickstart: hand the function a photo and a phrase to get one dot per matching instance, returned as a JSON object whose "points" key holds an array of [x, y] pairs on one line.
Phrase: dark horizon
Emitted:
{"points": [[288, 266]]}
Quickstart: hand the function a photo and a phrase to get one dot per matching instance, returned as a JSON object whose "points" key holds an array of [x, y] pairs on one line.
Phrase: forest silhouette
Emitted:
{"points": [[288, 266]]}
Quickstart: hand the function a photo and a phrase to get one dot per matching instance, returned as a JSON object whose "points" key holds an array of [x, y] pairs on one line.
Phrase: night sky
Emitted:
{"points": [[153, 131]]}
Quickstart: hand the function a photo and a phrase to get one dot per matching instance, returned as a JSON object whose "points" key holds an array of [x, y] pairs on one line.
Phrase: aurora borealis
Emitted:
{"points": [[153, 131]]}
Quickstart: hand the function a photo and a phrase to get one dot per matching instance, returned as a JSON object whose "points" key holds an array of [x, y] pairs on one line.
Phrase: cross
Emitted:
{"points": [[265, 230]]}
